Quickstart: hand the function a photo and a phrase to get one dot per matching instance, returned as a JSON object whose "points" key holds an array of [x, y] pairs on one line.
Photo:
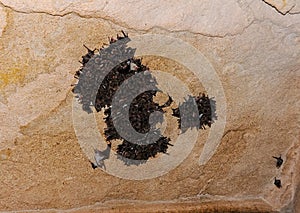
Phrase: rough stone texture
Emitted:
{"points": [[152, 15], [255, 51], [2, 20], [284, 6]]}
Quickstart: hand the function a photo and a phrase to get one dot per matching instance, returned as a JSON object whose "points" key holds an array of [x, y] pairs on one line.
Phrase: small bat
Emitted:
{"points": [[279, 161], [277, 183]]}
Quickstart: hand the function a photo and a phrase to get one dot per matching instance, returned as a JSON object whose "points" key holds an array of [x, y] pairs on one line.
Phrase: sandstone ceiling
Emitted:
{"points": [[253, 47]]}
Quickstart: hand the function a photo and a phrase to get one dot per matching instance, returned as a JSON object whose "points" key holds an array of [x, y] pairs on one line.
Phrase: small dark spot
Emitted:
{"points": [[279, 161], [93, 165], [277, 183]]}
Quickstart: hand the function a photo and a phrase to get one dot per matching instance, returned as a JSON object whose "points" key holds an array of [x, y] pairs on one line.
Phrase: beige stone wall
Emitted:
{"points": [[254, 48]]}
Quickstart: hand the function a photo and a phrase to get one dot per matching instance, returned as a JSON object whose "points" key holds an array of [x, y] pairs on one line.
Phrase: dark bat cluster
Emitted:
{"points": [[102, 74], [109, 87], [139, 113], [115, 78], [141, 108], [127, 150], [206, 112], [95, 67]]}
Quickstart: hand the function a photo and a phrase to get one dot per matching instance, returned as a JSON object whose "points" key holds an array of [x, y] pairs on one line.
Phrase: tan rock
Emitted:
{"points": [[46, 92], [2, 20], [254, 52], [284, 6], [205, 17], [9, 129]]}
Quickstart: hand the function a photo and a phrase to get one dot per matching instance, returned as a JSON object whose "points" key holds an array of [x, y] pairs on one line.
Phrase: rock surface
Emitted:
{"points": [[284, 7], [255, 51], [2, 20]]}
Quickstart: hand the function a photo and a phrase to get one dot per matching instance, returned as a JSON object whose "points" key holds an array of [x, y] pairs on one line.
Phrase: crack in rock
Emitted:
{"points": [[176, 18], [284, 6]]}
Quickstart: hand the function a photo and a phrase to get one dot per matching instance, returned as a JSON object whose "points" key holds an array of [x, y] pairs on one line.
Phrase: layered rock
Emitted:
{"points": [[254, 50]]}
